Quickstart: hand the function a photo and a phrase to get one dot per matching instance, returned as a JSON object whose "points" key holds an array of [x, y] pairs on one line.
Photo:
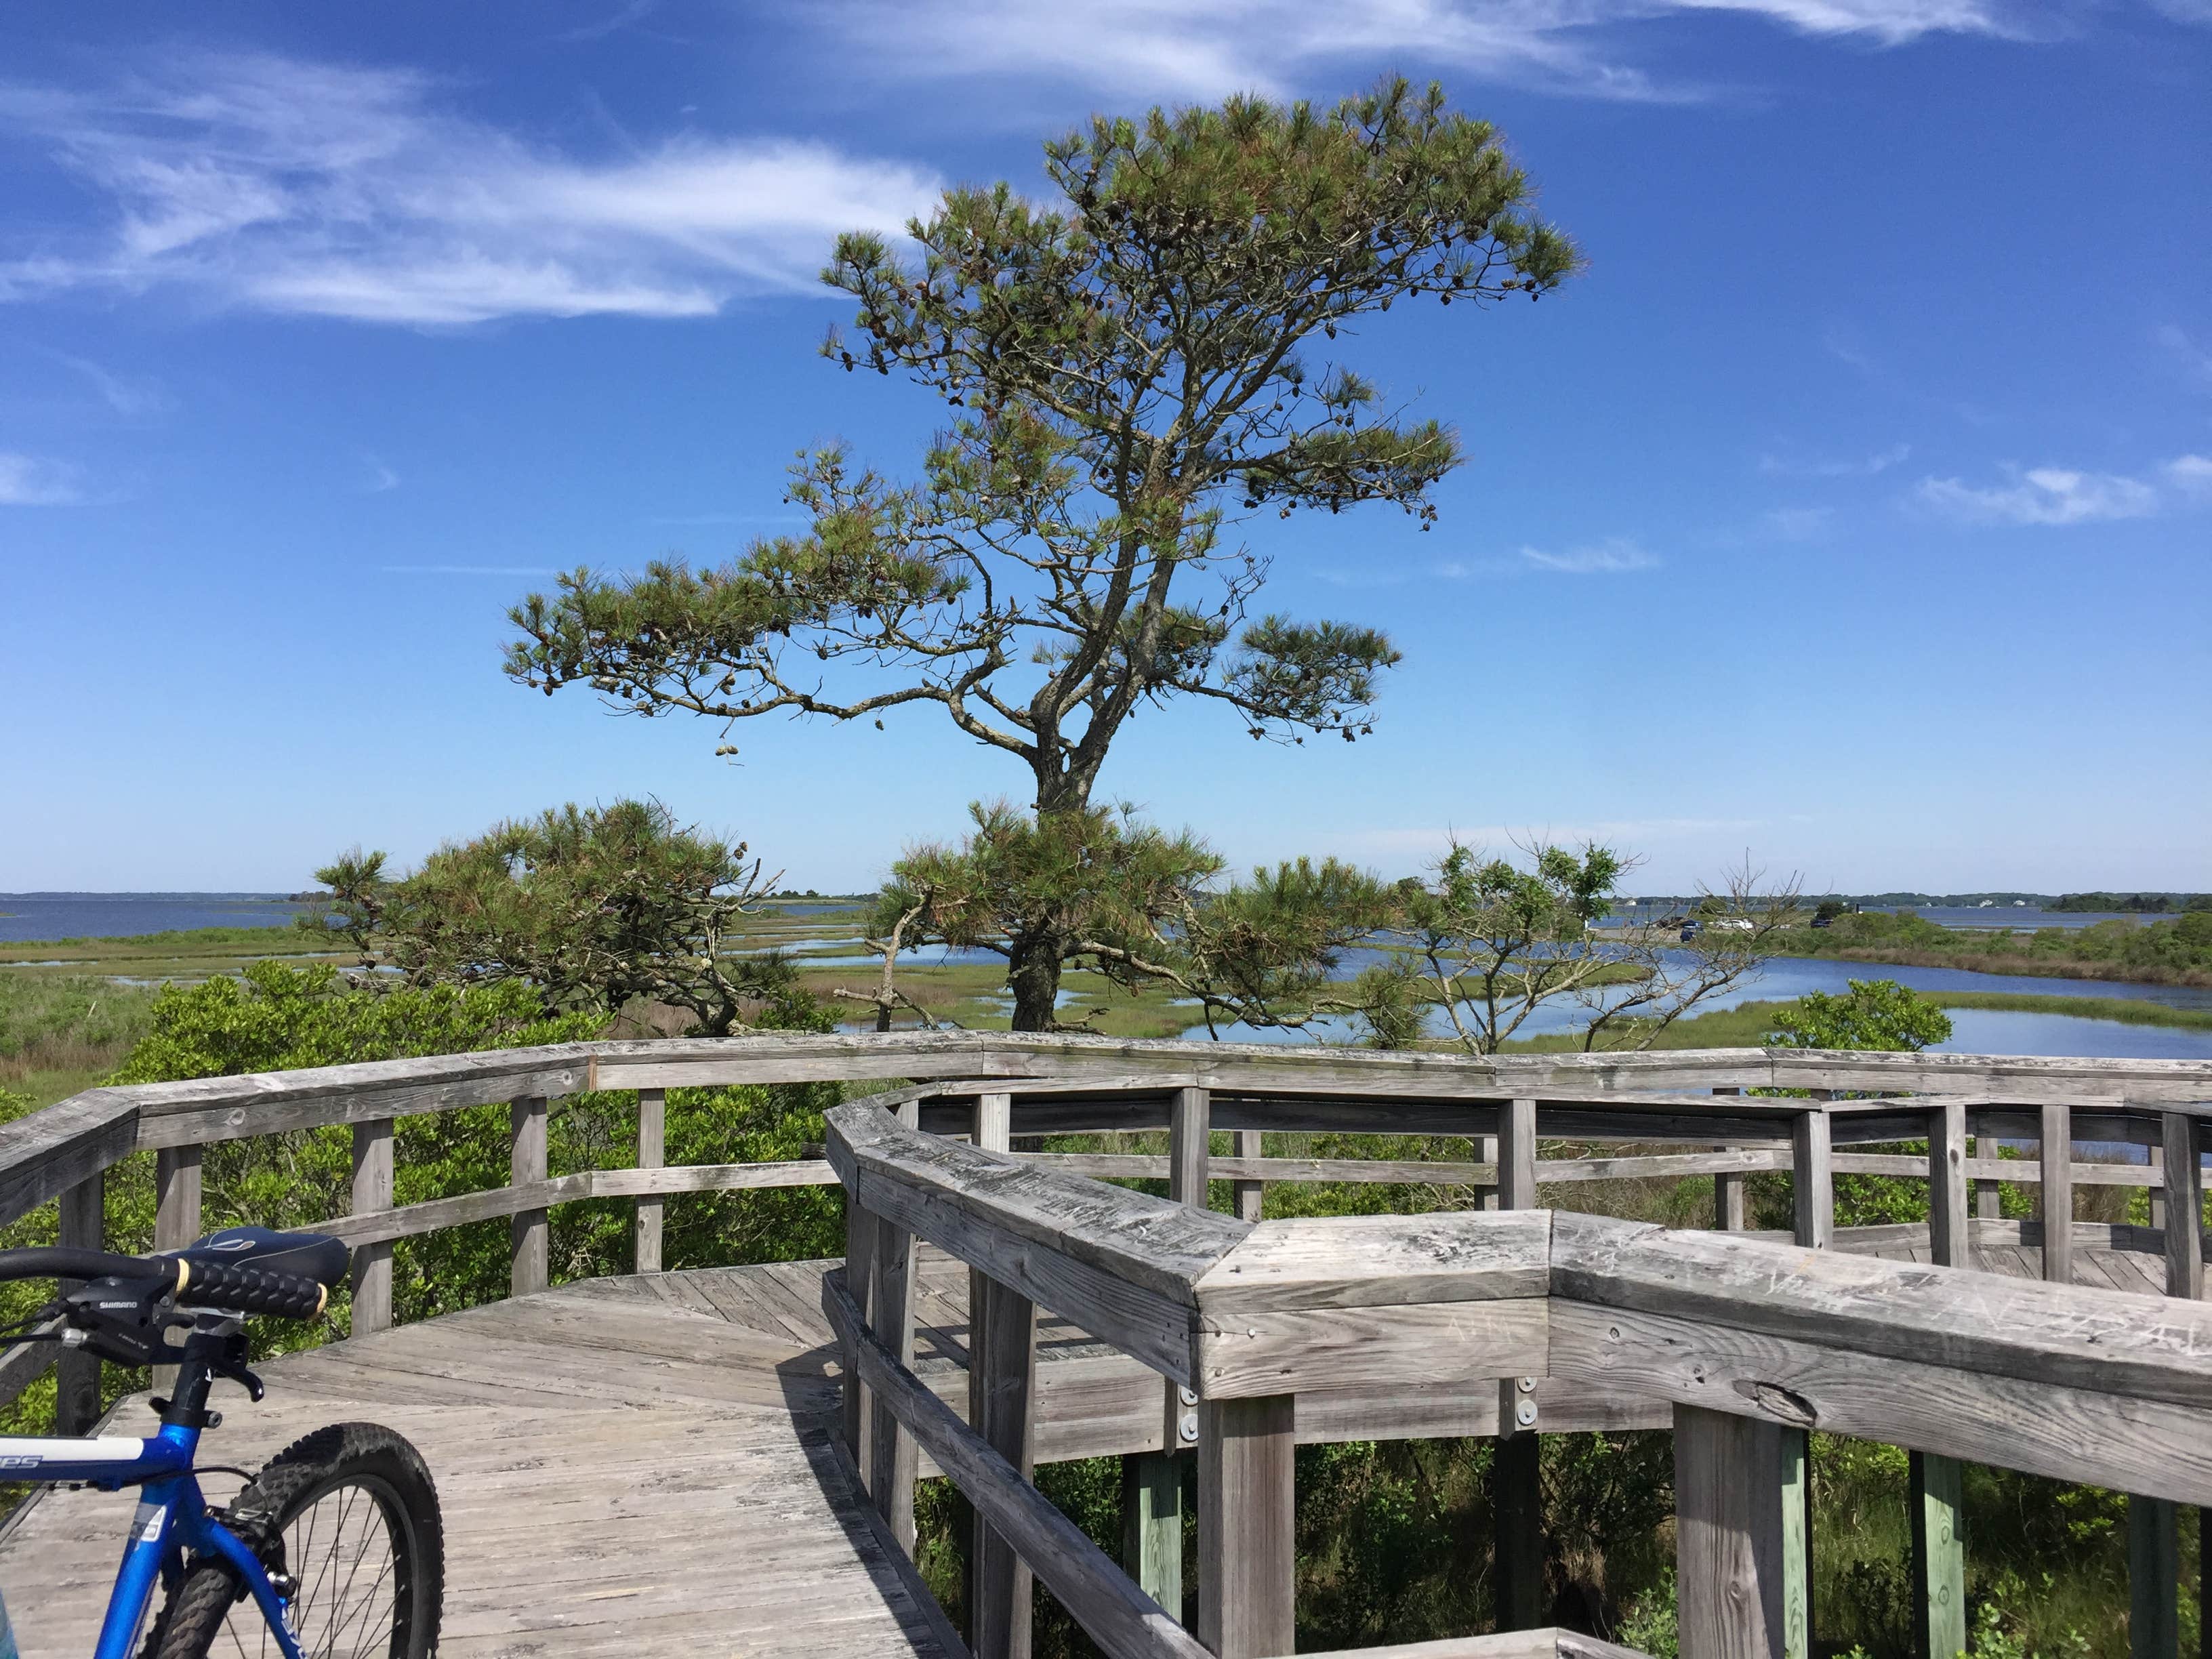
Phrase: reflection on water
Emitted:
{"points": [[1974, 1030]]}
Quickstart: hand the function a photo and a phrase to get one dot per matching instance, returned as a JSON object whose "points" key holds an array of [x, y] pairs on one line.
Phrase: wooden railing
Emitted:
{"points": [[1604, 1326]]}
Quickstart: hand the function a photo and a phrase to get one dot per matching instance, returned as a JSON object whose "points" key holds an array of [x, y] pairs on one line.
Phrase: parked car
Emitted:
{"points": [[1691, 930]]}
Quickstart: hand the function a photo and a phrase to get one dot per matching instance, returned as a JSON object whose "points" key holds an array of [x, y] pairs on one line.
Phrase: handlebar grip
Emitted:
{"points": [[241, 1288], [62, 1262]]}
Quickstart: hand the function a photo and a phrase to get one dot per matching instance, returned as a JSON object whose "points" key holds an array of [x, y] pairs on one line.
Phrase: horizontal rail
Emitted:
{"points": [[1098, 1596]]}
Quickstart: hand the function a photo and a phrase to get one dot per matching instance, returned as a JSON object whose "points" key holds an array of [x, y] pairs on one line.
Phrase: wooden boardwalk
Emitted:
{"points": [[645, 1465]]}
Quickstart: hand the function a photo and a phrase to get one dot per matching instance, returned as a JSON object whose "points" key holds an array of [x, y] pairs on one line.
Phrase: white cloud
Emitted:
{"points": [[1614, 554], [380, 476], [1170, 50], [2041, 495], [288, 186], [26, 480], [2192, 475], [134, 399], [1819, 467]]}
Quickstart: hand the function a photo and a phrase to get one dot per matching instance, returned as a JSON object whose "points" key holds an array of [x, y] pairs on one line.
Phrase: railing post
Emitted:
{"points": [[2153, 1525], [529, 1232], [2055, 1199], [1813, 1193], [1516, 1487], [998, 1619], [1728, 1192], [860, 1285], [1732, 1549], [991, 1128], [76, 1373], [371, 1191], [1937, 1485], [1486, 1151], [1247, 1527], [1813, 1180], [1251, 1195], [176, 1216], [651, 1154], [2158, 1192], [893, 1456], [1151, 1482]]}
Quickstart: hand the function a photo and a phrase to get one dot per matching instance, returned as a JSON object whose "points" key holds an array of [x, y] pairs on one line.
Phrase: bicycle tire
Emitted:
{"points": [[376, 1477]]}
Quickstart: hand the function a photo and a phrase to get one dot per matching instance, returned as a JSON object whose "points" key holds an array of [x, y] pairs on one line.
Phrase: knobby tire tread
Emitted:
{"points": [[189, 1621]]}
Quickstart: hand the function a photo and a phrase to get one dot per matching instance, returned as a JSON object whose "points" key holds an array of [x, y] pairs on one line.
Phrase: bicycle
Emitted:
{"points": [[334, 1548]]}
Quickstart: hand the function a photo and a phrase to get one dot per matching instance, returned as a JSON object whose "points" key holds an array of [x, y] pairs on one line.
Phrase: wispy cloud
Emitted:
{"points": [[1801, 524], [1793, 465], [26, 480], [2051, 495], [1168, 48], [2192, 475], [283, 186], [1614, 554], [380, 476], [134, 398]]}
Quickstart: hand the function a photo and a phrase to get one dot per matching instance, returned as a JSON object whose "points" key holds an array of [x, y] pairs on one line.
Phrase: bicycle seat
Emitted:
{"points": [[308, 1255]]}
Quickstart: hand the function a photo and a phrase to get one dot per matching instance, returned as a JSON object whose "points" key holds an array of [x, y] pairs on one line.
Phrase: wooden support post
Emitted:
{"points": [[651, 1154], [2154, 1580], [998, 1599], [1151, 1482], [371, 1191], [1247, 1527], [1937, 1500], [1937, 1485], [893, 1457], [1517, 1155], [1728, 1192], [2055, 1202], [1516, 1493], [2158, 1192], [176, 1218], [529, 1232], [2154, 1526], [1988, 1201], [1251, 1195], [76, 1373], [1517, 1519], [1813, 1179], [1813, 1204], [1151, 1526], [860, 1285], [1946, 1186], [1731, 1553], [1486, 1151], [991, 1128], [2185, 1208]]}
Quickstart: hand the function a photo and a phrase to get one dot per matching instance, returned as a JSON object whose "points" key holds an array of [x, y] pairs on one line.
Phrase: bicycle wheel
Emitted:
{"points": [[350, 1513]]}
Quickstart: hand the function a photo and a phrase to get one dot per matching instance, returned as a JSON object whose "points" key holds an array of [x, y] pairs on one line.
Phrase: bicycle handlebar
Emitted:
{"points": [[235, 1286]]}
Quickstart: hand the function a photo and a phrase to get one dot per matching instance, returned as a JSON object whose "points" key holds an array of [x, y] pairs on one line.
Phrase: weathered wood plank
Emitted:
{"points": [[2185, 1208], [2123, 1346], [999, 1605], [81, 1225], [1374, 1261], [651, 1154], [1811, 1180], [530, 1231], [1247, 1527], [891, 1318], [2069, 1433], [371, 1194], [1728, 1536], [2055, 1198], [43, 1155]]}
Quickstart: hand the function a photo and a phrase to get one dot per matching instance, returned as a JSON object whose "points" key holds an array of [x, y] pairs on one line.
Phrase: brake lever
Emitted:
{"points": [[246, 1379]]}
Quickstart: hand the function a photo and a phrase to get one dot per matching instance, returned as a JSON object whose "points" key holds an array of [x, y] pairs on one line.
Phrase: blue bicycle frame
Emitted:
{"points": [[172, 1518]]}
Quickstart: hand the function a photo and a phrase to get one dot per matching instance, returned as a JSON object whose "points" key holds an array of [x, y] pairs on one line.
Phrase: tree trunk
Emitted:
{"points": [[1033, 974]]}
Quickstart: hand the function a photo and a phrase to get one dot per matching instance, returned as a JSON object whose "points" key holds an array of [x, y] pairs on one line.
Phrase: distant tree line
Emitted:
{"points": [[2137, 903]]}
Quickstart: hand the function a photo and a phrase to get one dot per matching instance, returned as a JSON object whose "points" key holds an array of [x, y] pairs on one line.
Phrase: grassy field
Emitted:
{"points": [[71, 1009]]}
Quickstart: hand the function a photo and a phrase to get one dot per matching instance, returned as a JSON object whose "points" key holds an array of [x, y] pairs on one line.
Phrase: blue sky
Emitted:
{"points": [[1851, 509]]}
